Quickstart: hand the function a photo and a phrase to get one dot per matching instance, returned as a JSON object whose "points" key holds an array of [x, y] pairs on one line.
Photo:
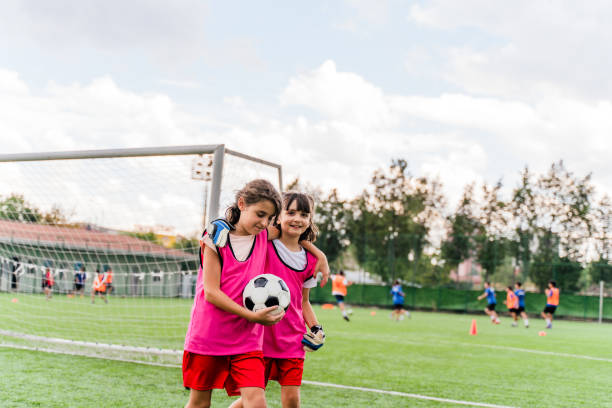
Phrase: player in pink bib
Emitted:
{"points": [[285, 342], [223, 345]]}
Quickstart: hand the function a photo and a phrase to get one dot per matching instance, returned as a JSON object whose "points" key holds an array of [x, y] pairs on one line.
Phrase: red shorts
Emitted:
{"points": [[204, 373], [287, 371]]}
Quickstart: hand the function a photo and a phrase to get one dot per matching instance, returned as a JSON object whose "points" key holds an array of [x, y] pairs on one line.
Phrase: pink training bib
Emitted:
{"points": [[284, 339], [215, 332]]}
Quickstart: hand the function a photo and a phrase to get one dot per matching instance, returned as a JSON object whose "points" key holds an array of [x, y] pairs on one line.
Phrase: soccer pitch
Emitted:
{"points": [[387, 364]]}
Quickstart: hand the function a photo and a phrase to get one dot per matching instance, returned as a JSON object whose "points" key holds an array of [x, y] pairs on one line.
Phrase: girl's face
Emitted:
{"points": [[254, 218], [294, 222]]}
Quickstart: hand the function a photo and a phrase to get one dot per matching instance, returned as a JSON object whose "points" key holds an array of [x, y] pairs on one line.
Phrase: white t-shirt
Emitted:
{"points": [[241, 245], [296, 260]]}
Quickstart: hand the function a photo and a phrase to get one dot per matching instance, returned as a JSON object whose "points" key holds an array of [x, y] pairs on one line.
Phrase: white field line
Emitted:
{"points": [[117, 347], [153, 350], [83, 354], [509, 348], [315, 383], [405, 394], [549, 353]]}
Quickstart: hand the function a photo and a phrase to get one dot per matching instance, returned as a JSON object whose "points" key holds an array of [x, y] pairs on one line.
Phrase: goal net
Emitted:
{"points": [[130, 218]]}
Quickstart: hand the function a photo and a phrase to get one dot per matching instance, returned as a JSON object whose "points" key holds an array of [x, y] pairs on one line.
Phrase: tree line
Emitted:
{"points": [[552, 226]]}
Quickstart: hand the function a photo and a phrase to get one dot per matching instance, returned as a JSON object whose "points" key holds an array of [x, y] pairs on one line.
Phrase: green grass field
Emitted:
{"points": [[430, 354]]}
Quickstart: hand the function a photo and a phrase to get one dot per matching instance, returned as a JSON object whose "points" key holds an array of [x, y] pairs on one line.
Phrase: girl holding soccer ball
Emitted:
{"points": [[224, 341], [285, 342], [223, 345]]}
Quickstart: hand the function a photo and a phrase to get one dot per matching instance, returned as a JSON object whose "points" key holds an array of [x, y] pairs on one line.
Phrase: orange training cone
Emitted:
{"points": [[473, 330]]}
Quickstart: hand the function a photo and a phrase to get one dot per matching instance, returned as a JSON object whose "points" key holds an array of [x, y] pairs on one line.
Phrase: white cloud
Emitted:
{"points": [[169, 31], [10, 83], [540, 46], [341, 95], [84, 116], [364, 15], [461, 138], [180, 83]]}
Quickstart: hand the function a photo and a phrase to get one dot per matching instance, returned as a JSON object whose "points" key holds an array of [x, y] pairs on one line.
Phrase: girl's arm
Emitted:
{"points": [[322, 265], [214, 294], [309, 315], [315, 337]]}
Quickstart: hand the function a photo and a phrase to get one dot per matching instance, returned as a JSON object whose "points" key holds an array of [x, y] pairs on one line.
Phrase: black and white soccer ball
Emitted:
{"points": [[266, 290]]}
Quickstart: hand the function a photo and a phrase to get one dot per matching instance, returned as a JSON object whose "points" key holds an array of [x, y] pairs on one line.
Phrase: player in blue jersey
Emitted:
{"points": [[489, 293], [520, 293], [398, 312]]}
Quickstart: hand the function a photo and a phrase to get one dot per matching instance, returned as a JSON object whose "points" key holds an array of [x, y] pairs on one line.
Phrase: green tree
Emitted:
{"points": [[331, 218], [462, 231], [493, 219], [524, 220], [600, 270], [393, 220], [145, 236], [191, 245], [55, 216], [563, 225], [546, 254], [567, 273], [566, 201], [16, 208]]}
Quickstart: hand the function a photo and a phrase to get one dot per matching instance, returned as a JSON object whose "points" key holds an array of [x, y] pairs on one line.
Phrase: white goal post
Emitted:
{"points": [[133, 214]]}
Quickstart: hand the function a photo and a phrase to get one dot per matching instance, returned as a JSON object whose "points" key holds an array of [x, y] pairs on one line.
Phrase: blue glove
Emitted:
{"points": [[218, 231], [314, 339]]}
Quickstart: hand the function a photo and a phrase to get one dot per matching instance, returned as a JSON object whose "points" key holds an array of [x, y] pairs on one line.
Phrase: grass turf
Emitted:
{"points": [[430, 354]]}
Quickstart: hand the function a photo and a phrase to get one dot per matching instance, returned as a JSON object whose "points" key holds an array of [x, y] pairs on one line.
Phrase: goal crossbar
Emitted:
{"points": [[217, 150]]}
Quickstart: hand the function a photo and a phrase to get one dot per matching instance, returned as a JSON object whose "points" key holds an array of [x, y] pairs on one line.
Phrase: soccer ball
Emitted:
{"points": [[266, 290]]}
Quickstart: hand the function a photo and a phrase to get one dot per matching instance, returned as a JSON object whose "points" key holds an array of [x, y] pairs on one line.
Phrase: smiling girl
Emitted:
{"points": [[223, 345]]}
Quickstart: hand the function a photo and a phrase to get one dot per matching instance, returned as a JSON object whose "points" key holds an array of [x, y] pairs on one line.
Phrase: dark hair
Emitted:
{"points": [[341, 272], [304, 203], [552, 282], [519, 284], [509, 287], [253, 192], [488, 283], [397, 282]]}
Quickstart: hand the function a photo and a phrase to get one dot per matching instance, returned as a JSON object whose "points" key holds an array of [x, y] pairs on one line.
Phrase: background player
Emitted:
{"points": [[79, 281], [512, 304], [108, 279], [98, 287], [48, 283], [552, 301], [339, 285], [520, 294], [489, 293], [398, 312]]}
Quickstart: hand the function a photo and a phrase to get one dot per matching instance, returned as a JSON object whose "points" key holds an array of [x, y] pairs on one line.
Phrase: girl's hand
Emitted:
{"points": [[267, 316], [218, 230], [323, 267]]}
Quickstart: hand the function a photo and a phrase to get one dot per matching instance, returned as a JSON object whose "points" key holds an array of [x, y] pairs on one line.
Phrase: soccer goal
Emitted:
{"points": [[98, 249]]}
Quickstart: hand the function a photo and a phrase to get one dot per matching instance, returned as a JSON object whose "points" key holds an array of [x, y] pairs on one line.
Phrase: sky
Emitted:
{"points": [[331, 90]]}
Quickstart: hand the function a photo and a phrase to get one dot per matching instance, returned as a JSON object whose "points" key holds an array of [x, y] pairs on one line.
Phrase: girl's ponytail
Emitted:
{"points": [[232, 214]]}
